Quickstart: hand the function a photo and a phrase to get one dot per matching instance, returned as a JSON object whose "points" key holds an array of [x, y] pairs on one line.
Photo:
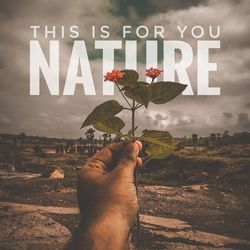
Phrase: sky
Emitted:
{"points": [[62, 116]]}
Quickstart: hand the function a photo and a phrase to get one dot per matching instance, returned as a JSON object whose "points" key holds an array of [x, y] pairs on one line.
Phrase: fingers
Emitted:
{"points": [[106, 156], [115, 153], [139, 162], [139, 145], [129, 158]]}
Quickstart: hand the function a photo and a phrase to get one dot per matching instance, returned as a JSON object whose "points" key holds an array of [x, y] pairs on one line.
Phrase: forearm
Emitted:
{"points": [[108, 233]]}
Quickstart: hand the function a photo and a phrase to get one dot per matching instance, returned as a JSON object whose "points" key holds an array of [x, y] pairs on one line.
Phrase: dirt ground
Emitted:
{"points": [[193, 200]]}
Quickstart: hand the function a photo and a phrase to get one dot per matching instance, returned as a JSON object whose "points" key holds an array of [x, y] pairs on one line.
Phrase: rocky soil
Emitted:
{"points": [[193, 200]]}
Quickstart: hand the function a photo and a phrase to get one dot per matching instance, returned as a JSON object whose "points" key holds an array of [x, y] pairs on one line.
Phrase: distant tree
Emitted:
{"points": [[22, 138], [240, 138], [116, 138], [212, 138], [185, 138], [80, 141], [244, 138], [206, 142], [225, 138], [109, 136], [218, 138], [90, 134], [105, 136], [194, 139]]}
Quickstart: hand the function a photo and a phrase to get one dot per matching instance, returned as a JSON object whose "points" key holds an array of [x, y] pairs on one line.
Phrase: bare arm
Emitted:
{"points": [[107, 199]]}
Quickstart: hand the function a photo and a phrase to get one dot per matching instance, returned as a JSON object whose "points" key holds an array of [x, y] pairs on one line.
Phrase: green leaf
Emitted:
{"points": [[157, 137], [113, 125], [141, 94], [130, 132], [103, 112], [136, 84], [159, 151], [162, 92], [140, 83], [130, 78]]}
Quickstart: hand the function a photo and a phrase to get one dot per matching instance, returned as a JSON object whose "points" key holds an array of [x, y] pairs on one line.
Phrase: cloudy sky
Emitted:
{"points": [[61, 116]]}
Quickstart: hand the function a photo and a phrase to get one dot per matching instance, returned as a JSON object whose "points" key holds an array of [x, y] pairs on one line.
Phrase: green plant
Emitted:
{"points": [[160, 144], [136, 94]]}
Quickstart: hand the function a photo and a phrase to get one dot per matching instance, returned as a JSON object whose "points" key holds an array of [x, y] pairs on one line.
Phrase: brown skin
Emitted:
{"points": [[107, 198]]}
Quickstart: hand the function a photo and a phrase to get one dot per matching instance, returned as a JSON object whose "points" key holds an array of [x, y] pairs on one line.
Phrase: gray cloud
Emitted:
{"points": [[243, 121], [62, 116], [144, 8], [160, 117], [242, 117], [227, 115]]}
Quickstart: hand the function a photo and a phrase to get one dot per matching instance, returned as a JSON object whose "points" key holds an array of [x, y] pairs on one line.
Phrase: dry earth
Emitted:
{"points": [[187, 202]]}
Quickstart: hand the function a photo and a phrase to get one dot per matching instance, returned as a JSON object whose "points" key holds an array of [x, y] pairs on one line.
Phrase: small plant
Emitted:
{"points": [[160, 144], [136, 94]]}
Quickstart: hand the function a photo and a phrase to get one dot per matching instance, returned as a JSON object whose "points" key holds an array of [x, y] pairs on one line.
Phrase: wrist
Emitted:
{"points": [[106, 232]]}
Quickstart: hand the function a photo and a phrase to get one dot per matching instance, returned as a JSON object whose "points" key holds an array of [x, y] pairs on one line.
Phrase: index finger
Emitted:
{"points": [[106, 159], [106, 156]]}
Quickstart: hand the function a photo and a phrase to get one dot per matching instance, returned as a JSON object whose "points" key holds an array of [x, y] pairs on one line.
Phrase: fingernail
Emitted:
{"points": [[139, 144], [139, 161]]}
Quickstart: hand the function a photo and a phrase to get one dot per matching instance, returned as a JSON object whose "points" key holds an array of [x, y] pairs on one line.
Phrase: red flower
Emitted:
{"points": [[153, 73], [114, 75]]}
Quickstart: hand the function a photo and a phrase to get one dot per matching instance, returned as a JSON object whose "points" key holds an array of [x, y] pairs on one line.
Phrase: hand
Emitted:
{"points": [[107, 197]]}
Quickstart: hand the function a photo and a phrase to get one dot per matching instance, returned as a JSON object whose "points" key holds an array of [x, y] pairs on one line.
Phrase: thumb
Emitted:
{"points": [[128, 158]]}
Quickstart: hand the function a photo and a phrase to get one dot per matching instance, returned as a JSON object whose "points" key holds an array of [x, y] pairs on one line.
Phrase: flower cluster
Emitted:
{"points": [[114, 75], [153, 73]]}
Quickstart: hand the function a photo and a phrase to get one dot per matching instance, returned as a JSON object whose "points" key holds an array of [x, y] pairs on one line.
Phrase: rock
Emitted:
{"points": [[11, 168], [179, 234], [57, 173], [192, 188], [7, 167], [28, 229]]}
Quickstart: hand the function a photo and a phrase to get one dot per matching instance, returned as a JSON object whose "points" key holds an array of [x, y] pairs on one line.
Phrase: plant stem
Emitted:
{"points": [[133, 109], [125, 98], [138, 225], [138, 106], [133, 120], [136, 176]]}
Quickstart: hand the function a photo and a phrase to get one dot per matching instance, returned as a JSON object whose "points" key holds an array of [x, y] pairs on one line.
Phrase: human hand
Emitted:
{"points": [[107, 196]]}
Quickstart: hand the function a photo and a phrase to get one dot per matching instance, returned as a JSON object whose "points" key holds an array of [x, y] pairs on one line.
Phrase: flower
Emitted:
{"points": [[114, 75], [153, 73]]}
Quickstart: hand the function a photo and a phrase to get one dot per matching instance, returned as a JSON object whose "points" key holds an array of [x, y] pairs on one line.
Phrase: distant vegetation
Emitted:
{"points": [[217, 139], [12, 145]]}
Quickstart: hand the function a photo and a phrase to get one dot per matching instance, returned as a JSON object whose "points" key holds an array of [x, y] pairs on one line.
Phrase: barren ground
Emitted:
{"points": [[196, 199]]}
